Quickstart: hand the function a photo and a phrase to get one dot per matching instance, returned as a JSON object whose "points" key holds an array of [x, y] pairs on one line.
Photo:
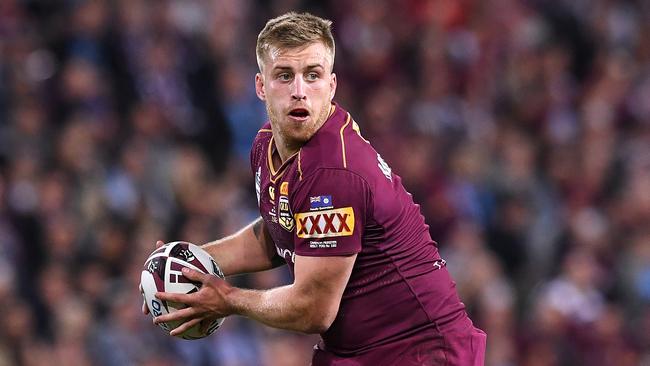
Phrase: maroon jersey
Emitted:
{"points": [[335, 197]]}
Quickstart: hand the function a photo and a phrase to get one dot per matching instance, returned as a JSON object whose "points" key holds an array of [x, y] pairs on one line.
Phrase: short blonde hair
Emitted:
{"points": [[292, 30]]}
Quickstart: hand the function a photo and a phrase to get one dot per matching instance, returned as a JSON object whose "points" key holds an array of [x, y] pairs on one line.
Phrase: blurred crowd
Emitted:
{"points": [[521, 127]]}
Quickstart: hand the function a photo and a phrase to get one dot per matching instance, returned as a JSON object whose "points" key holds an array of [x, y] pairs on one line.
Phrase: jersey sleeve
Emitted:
{"points": [[330, 209], [255, 153], [256, 164]]}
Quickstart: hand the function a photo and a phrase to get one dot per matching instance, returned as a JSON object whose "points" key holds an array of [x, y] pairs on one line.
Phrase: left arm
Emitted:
{"points": [[309, 305]]}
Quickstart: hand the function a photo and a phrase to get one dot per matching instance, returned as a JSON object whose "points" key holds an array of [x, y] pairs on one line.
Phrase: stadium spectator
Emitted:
{"points": [[563, 76]]}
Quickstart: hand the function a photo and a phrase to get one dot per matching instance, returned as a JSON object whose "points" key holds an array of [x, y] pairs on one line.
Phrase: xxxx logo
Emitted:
{"points": [[324, 224]]}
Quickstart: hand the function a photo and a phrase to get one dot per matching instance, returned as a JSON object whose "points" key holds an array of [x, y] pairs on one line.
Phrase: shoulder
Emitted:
{"points": [[260, 144], [337, 145], [331, 190], [327, 148], [264, 133]]}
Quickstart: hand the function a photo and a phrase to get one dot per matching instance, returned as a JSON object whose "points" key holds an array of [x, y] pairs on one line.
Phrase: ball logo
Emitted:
{"points": [[156, 266], [186, 254], [216, 270], [152, 267], [155, 308], [325, 224], [176, 275]]}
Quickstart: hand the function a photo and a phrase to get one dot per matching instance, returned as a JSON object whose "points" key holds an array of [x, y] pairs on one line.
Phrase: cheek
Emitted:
{"points": [[321, 91], [274, 96], [274, 89]]}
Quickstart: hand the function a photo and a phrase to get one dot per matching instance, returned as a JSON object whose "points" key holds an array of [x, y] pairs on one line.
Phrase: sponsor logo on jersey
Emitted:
{"points": [[383, 166], [273, 214], [285, 217], [320, 202], [284, 188], [325, 224], [286, 254], [272, 193], [323, 244], [258, 184]]}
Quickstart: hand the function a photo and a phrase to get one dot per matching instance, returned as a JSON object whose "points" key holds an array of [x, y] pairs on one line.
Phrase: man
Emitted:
{"points": [[367, 275]]}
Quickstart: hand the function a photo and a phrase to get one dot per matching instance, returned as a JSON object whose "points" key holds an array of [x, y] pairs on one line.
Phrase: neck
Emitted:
{"points": [[285, 149]]}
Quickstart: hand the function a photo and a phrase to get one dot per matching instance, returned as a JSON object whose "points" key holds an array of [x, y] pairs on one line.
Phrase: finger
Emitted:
{"points": [[174, 297], [185, 326], [195, 275], [159, 244], [181, 314]]}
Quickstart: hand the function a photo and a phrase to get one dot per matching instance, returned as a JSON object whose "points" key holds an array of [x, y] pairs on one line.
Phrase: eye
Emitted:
{"points": [[311, 76], [285, 76]]}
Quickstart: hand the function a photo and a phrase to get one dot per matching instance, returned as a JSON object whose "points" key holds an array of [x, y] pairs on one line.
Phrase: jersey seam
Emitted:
{"points": [[341, 132], [408, 284], [257, 157]]}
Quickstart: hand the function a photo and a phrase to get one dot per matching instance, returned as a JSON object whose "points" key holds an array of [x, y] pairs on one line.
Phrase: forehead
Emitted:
{"points": [[313, 53]]}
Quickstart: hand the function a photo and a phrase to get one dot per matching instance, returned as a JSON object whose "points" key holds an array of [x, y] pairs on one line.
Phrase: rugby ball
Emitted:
{"points": [[162, 273]]}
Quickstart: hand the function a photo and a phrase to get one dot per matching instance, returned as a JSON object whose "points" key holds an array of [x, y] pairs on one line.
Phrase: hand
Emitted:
{"points": [[145, 308], [206, 304]]}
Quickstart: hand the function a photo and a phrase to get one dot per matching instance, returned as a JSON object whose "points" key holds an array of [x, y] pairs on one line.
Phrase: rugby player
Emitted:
{"points": [[367, 275]]}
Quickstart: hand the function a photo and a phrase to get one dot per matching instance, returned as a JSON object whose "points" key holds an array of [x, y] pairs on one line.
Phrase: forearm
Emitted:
{"points": [[309, 305], [282, 307], [248, 250]]}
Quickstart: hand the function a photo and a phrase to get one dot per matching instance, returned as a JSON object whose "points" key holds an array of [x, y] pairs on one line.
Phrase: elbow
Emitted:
{"points": [[317, 327], [320, 321]]}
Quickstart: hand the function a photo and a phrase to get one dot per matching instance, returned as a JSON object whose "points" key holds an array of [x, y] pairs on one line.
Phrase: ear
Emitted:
{"points": [[332, 86], [259, 86]]}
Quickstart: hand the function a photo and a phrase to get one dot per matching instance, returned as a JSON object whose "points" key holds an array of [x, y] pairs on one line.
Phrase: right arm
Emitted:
{"points": [[251, 249]]}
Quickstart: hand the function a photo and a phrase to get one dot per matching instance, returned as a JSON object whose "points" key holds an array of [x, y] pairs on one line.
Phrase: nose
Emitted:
{"points": [[298, 91]]}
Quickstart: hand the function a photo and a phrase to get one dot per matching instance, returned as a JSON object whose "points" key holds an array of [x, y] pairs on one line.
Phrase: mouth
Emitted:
{"points": [[299, 114]]}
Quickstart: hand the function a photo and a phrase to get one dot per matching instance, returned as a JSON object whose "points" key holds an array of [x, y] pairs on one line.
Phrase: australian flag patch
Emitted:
{"points": [[320, 202]]}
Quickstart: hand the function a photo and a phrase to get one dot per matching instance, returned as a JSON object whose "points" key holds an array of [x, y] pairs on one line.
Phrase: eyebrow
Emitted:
{"points": [[309, 67]]}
